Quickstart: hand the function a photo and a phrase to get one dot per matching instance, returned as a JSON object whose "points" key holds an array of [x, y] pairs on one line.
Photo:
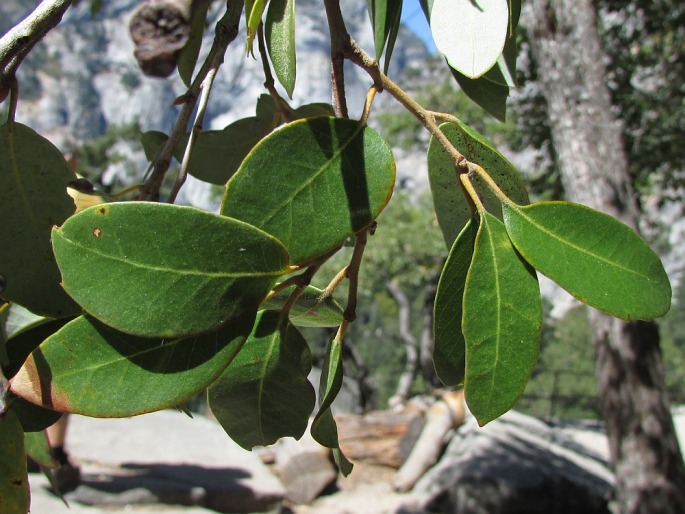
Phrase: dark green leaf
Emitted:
{"points": [[33, 181], [160, 270], [385, 19], [449, 347], [188, 56], [89, 368], [451, 207], [32, 417], [501, 323], [22, 343], [595, 257], [310, 310], [324, 429], [153, 142], [490, 96], [14, 486], [504, 71], [264, 393], [279, 32], [312, 184], [313, 110]]}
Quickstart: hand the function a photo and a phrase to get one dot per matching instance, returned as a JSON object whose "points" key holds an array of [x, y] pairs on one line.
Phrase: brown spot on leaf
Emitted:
{"points": [[97, 232], [102, 210], [34, 382], [17, 481]]}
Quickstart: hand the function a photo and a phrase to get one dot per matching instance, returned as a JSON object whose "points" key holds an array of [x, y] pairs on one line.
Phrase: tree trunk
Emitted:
{"points": [[411, 367], [587, 138]]}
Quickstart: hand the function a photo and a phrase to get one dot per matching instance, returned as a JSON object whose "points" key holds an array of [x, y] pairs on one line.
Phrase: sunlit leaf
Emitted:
{"points": [[188, 56], [279, 33], [470, 33], [33, 180], [324, 429], [595, 257], [14, 486], [312, 184], [451, 207], [89, 368], [254, 18], [504, 71], [310, 310], [501, 322], [161, 270], [449, 348], [264, 393]]}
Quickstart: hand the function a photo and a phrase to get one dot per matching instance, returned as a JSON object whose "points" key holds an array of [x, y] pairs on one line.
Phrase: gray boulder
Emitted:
{"points": [[519, 464]]}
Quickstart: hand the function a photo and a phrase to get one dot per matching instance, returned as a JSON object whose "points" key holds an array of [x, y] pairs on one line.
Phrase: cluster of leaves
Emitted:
{"points": [[144, 304]]}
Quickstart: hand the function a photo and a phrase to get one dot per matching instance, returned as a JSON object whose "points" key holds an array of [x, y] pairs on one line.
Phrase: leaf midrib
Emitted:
{"points": [[579, 249], [173, 271], [319, 171]]}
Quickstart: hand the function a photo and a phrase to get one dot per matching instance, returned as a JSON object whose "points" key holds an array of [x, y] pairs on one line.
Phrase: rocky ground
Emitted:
{"points": [[161, 461]]}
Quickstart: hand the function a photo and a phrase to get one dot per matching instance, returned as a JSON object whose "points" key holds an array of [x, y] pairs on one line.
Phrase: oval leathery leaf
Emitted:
{"points": [[449, 347], [91, 369], [160, 270], [264, 393], [501, 321], [312, 184], [33, 179], [595, 257]]}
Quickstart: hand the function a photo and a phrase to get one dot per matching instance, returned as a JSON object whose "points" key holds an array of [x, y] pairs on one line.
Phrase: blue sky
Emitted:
{"points": [[413, 17]]}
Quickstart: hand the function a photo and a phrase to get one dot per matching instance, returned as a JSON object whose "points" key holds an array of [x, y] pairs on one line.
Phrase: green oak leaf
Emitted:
{"points": [[310, 310], [312, 184], [91, 369], [21, 343], [385, 20], [324, 429], [160, 270], [451, 207], [33, 180], [502, 318], [595, 257], [32, 417], [449, 348], [279, 33], [14, 486], [264, 393], [254, 9], [489, 95]]}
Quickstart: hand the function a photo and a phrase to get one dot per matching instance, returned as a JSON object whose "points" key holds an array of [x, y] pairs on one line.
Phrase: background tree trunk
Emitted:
{"points": [[587, 139]]}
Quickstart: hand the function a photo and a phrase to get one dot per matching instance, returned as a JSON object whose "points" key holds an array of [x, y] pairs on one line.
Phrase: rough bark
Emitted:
{"points": [[587, 138]]}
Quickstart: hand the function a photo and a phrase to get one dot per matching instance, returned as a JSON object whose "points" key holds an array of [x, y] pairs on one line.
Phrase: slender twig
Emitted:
{"points": [[194, 134], [226, 32], [472, 194], [367, 105], [485, 176], [18, 42], [338, 31], [282, 106], [350, 50], [14, 99], [304, 280], [353, 275]]}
